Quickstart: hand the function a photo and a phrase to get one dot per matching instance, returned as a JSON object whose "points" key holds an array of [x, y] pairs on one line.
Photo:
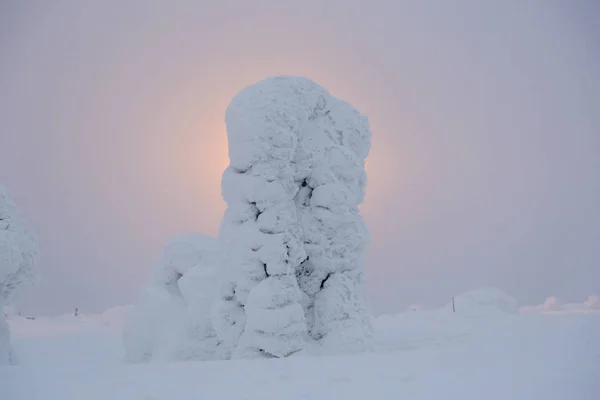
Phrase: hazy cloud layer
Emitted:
{"points": [[485, 166]]}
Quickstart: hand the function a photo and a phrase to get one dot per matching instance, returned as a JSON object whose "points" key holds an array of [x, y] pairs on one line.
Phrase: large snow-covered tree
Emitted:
{"points": [[287, 273], [18, 256], [294, 236]]}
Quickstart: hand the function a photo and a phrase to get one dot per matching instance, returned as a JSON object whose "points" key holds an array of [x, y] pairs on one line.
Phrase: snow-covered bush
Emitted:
{"points": [[171, 318], [18, 256], [482, 302], [552, 304], [294, 237], [593, 302]]}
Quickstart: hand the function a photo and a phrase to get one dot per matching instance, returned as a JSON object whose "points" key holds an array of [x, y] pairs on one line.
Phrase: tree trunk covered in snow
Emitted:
{"points": [[294, 236]]}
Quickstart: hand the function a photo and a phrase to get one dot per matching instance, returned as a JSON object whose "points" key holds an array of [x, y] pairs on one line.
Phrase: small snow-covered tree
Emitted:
{"points": [[294, 237], [171, 319], [18, 256]]}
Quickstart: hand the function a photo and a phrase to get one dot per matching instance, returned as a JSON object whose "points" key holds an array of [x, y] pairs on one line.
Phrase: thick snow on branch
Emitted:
{"points": [[293, 232]]}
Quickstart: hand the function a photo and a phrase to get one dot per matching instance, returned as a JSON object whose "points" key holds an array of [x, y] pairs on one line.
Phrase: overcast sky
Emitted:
{"points": [[484, 169]]}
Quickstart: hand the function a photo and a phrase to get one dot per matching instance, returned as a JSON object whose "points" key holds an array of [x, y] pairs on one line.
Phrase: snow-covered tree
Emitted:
{"points": [[293, 233], [171, 319], [18, 256], [18, 250], [288, 272]]}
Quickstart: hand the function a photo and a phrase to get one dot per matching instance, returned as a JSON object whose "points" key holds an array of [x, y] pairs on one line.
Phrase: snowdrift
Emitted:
{"points": [[483, 302]]}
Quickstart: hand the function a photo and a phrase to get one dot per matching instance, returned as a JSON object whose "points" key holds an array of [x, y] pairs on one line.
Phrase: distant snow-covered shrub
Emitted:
{"points": [[482, 302], [552, 304], [593, 302]]}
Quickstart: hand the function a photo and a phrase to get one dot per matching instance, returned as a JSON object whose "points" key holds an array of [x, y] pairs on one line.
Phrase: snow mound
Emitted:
{"points": [[483, 302]]}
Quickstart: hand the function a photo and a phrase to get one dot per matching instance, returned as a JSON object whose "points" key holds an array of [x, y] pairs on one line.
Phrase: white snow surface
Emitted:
{"points": [[431, 354]]}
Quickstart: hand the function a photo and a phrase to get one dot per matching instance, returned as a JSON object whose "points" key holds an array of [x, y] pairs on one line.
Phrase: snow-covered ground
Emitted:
{"points": [[423, 355]]}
